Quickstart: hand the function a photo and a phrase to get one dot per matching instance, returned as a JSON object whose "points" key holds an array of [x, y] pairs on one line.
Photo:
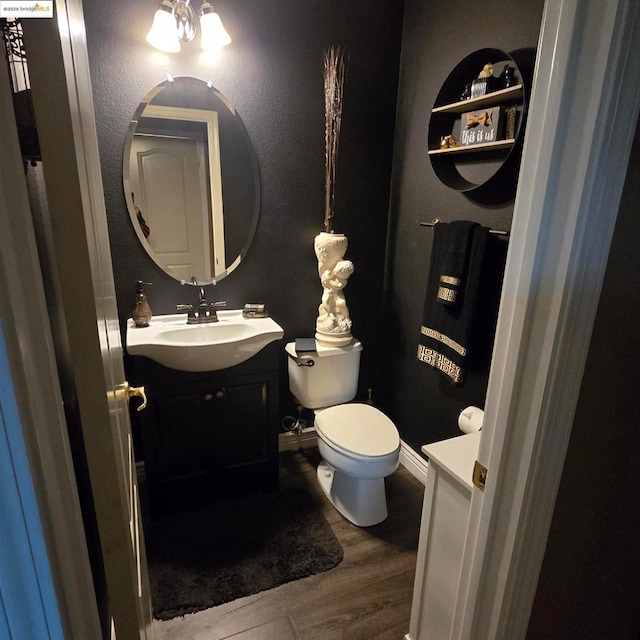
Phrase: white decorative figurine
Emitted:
{"points": [[333, 326]]}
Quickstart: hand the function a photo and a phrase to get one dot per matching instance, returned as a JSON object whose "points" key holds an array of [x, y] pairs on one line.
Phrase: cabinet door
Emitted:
{"points": [[251, 451], [185, 435], [247, 423], [184, 444], [210, 439]]}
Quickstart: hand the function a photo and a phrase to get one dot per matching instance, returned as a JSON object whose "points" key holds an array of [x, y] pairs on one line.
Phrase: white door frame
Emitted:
{"points": [[46, 585], [582, 116], [63, 104]]}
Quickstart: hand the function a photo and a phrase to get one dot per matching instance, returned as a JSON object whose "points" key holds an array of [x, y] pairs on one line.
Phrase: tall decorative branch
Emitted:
{"points": [[333, 84]]}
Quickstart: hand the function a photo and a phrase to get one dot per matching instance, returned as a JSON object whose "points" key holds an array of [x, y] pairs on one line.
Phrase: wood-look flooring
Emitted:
{"points": [[366, 597]]}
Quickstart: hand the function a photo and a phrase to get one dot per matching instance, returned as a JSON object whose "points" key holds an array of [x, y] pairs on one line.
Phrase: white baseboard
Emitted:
{"points": [[413, 462]]}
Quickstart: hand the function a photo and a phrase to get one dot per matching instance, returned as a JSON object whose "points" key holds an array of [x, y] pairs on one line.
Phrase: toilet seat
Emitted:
{"points": [[359, 430]]}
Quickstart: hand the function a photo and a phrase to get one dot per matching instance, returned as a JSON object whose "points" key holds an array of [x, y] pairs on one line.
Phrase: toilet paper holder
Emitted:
{"points": [[471, 419]]}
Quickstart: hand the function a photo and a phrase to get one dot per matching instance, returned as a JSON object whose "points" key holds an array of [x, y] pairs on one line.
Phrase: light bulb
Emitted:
{"points": [[214, 35], [163, 34]]}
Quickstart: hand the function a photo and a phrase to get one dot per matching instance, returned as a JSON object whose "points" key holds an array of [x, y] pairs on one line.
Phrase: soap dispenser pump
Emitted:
{"points": [[141, 313]]}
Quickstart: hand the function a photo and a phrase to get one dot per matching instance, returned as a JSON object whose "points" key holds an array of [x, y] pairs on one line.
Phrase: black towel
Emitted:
{"points": [[447, 328], [454, 265]]}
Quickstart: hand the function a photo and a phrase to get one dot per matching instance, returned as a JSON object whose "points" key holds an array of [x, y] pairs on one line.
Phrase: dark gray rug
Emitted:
{"points": [[204, 558]]}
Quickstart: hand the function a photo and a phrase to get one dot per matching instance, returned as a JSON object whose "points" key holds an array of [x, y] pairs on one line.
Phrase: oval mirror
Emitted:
{"points": [[191, 180]]}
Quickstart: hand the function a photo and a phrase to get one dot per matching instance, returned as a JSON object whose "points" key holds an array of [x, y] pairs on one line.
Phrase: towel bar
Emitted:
{"points": [[494, 231]]}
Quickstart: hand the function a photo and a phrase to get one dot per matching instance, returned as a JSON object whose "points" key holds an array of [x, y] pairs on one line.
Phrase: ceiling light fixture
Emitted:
{"points": [[175, 21]]}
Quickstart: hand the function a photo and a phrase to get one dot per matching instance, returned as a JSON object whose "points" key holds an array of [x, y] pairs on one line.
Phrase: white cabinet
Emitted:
{"points": [[445, 515]]}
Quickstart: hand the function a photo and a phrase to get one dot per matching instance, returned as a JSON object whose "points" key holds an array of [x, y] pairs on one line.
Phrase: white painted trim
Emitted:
{"points": [[38, 425], [413, 462], [572, 175]]}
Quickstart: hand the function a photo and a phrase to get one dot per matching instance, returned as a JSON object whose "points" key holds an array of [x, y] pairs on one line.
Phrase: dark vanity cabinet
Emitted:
{"points": [[207, 436]]}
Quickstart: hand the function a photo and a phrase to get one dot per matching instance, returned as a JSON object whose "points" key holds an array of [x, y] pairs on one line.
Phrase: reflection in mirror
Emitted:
{"points": [[191, 181]]}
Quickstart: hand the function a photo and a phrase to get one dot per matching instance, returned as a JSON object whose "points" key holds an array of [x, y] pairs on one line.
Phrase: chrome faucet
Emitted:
{"points": [[206, 310], [201, 296]]}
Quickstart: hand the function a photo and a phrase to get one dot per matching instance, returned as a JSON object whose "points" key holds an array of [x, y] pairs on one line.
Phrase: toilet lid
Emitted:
{"points": [[358, 428]]}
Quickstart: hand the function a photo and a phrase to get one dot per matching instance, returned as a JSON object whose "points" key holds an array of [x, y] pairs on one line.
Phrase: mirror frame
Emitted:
{"points": [[210, 118]]}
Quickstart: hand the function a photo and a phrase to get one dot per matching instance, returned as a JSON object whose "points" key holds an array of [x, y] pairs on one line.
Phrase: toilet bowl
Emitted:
{"points": [[359, 445]]}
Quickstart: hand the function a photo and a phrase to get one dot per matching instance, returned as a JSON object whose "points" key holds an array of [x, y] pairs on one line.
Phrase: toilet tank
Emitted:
{"points": [[333, 378]]}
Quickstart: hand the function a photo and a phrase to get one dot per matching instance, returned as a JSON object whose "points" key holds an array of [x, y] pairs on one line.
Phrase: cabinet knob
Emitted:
{"points": [[208, 396], [220, 394]]}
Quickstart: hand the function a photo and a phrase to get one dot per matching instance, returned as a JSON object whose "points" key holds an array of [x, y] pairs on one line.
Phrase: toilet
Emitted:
{"points": [[359, 445]]}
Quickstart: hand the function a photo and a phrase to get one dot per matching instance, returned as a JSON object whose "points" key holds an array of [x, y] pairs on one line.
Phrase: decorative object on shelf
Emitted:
{"points": [[333, 325], [449, 142], [507, 78], [510, 116], [487, 71], [484, 169], [175, 21], [480, 127], [484, 83]]}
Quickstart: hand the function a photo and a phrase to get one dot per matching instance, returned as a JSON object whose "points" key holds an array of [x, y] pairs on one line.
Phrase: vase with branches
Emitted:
{"points": [[334, 67], [333, 326]]}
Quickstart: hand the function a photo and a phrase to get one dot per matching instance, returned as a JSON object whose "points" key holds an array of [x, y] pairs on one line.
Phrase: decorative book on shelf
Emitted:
{"points": [[487, 125]]}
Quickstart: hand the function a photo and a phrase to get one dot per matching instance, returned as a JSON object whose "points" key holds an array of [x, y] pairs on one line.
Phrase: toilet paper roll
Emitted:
{"points": [[471, 420]]}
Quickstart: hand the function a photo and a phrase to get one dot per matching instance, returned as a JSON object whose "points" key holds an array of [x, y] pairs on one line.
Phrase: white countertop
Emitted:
{"points": [[457, 456]]}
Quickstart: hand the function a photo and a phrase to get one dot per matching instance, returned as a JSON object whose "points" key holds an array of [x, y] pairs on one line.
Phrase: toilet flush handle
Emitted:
{"points": [[302, 363]]}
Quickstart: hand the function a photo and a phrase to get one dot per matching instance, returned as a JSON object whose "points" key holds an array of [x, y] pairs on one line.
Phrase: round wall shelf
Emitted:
{"points": [[479, 152]]}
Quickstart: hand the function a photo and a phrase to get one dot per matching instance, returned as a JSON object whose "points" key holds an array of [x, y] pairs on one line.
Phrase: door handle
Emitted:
{"points": [[135, 391]]}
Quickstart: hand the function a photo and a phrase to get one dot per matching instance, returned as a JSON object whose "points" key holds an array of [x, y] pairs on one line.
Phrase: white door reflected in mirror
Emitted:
{"points": [[169, 187], [191, 180]]}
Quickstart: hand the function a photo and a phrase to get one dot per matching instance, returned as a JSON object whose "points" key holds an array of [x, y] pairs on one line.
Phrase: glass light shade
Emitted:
{"points": [[163, 34], [214, 35]]}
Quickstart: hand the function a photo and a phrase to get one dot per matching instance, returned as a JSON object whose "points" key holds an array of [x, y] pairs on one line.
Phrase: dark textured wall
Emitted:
{"points": [[589, 586], [272, 73], [436, 37]]}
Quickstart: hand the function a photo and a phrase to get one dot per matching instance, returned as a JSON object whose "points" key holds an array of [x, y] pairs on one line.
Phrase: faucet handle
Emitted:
{"points": [[222, 303], [186, 307]]}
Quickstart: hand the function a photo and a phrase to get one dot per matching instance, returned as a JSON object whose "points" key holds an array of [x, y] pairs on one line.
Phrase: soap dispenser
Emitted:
{"points": [[141, 313]]}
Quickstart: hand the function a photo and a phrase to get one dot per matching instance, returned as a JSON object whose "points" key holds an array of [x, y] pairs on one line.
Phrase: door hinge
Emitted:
{"points": [[479, 475]]}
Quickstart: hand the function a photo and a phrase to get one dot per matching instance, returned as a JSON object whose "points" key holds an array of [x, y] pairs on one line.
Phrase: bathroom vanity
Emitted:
{"points": [[445, 515], [209, 435]]}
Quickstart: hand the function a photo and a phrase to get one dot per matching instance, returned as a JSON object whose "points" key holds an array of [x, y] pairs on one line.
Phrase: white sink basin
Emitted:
{"points": [[172, 342]]}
